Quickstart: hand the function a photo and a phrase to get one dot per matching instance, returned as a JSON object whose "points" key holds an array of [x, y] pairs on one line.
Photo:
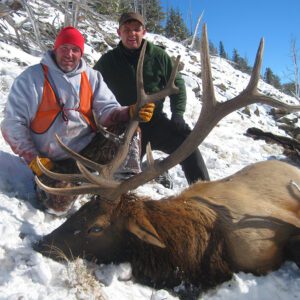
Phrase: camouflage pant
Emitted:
{"points": [[100, 150], [103, 150]]}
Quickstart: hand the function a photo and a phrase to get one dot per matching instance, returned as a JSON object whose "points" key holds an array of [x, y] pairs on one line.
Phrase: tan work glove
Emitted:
{"points": [[145, 113], [46, 162]]}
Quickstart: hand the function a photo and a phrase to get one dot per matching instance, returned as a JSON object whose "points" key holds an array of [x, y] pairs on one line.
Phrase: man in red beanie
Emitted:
{"points": [[68, 40], [62, 95]]}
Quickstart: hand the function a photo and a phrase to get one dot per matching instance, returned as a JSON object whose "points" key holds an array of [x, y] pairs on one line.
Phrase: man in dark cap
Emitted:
{"points": [[118, 68]]}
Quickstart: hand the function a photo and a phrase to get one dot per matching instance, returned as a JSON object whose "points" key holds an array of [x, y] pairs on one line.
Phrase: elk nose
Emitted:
{"points": [[44, 247], [38, 246], [46, 250]]}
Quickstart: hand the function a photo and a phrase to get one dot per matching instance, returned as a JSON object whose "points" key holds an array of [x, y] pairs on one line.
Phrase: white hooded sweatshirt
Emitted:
{"points": [[24, 99]]}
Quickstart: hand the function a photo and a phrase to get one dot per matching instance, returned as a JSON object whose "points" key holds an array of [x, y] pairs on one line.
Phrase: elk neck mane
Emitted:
{"points": [[176, 219]]}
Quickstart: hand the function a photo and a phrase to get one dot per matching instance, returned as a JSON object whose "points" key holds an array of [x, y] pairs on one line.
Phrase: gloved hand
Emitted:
{"points": [[145, 113], [179, 123], [46, 162]]}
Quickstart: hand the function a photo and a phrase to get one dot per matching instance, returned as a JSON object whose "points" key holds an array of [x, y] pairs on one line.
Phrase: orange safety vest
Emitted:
{"points": [[50, 106]]}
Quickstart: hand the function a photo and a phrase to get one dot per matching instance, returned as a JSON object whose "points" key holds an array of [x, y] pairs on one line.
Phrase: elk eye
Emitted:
{"points": [[95, 229]]}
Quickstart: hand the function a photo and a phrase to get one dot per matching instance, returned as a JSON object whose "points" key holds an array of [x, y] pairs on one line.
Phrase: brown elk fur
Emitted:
{"points": [[245, 222]]}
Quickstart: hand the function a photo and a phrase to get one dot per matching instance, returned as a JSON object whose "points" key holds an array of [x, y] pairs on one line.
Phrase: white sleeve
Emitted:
{"points": [[20, 108]]}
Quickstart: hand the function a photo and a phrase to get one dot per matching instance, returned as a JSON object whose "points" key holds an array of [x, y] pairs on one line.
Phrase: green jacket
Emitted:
{"points": [[118, 68]]}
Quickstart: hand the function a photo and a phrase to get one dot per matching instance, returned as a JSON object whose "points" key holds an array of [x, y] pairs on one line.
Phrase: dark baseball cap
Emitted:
{"points": [[131, 16]]}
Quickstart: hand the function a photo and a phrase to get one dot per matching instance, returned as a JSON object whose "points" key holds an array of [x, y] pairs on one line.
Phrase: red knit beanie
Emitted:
{"points": [[70, 35]]}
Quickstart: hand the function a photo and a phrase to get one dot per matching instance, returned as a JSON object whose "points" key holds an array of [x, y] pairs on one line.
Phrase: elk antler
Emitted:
{"points": [[211, 113]]}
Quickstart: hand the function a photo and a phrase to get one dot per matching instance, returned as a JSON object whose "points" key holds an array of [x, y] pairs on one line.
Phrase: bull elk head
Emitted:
{"points": [[212, 112]]}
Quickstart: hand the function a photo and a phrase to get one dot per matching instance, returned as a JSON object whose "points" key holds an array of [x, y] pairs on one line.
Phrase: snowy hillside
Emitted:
{"points": [[26, 274]]}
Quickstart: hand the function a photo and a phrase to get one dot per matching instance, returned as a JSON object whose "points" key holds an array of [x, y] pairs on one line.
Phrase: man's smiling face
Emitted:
{"points": [[131, 34], [67, 57]]}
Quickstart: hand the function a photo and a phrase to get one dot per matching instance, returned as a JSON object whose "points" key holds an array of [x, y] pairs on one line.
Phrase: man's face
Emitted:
{"points": [[67, 57], [131, 34]]}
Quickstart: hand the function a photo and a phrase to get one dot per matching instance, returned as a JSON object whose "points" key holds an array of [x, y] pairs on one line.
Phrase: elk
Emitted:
{"points": [[249, 221]]}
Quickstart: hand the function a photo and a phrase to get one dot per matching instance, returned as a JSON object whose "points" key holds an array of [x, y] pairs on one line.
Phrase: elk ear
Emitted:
{"points": [[145, 231]]}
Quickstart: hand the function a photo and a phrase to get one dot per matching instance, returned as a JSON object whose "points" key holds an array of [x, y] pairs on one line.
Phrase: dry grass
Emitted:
{"points": [[80, 276]]}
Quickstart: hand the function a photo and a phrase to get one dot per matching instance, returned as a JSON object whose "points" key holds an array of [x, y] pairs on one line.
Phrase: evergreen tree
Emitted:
{"points": [[271, 78], [212, 49], [240, 63], [235, 56], [175, 27], [268, 76], [243, 66], [222, 52], [154, 16]]}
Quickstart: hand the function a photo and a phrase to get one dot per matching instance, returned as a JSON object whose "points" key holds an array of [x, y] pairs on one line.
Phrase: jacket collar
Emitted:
{"points": [[132, 56]]}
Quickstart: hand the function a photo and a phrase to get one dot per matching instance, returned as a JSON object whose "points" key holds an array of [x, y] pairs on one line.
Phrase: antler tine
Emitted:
{"points": [[85, 176], [59, 176], [100, 184], [75, 190], [251, 95], [206, 76], [100, 180], [141, 94], [170, 88], [150, 158], [248, 96], [82, 163], [255, 75], [76, 156]]}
